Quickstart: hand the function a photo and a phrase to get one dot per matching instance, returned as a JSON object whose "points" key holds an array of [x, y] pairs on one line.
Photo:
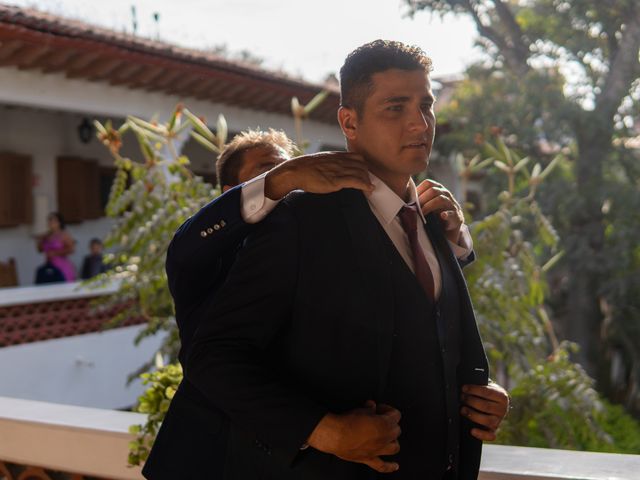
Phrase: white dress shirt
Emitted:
{"points": [[385, 205]]}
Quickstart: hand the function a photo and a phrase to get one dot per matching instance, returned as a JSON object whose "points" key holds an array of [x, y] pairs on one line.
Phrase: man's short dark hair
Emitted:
{"points": [[371, 58], [95, 241], [230, 159]]}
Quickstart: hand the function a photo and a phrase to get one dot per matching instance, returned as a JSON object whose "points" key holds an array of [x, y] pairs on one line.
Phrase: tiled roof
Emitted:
{"points": [[33, 40]]}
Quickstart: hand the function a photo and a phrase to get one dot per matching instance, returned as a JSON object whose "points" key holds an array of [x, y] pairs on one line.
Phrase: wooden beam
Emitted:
{"points": [[123, 76], [31, 58], [58, 60], [95, 69], [8, 48], [146, 76], [216, 92], [183, 84], [165, 80], [79, 63], [13, 58], [206, 90]]}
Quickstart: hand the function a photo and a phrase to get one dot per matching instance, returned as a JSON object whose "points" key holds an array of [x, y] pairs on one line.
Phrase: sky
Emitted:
{"points": [[305, 38]]}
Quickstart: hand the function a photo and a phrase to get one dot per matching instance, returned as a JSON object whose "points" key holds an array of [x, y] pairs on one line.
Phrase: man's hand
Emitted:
{"points": [[434, 197], [323, 172], [486, 405], [361, 436]]}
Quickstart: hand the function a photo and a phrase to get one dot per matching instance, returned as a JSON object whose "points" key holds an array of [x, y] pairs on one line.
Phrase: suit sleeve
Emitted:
{"points": [[197, 247], [231, 360]]}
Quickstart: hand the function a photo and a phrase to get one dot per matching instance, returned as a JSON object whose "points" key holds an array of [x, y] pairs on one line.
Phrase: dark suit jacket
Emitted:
{"points": [[300, 327], [199, 257]]}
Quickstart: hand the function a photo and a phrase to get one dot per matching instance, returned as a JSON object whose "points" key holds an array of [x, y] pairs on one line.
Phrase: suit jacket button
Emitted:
{"points": [[209, 230], [216, 227], [222, 223], [203, 234]]}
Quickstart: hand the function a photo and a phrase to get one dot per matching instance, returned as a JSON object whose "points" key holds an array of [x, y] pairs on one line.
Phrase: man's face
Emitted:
{"points": [[258, 160], [396, 127]]}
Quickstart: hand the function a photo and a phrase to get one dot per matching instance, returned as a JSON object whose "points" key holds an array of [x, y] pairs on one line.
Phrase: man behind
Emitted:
{"points": [[346, 319], [254, 170]]}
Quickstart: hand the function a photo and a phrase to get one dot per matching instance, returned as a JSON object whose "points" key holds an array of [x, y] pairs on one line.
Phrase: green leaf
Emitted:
{"points": [[204, 142], [314, 102], [200, 126]]}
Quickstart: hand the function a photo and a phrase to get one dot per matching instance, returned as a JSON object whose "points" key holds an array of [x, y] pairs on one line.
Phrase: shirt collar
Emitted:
{"points": [[387, 203]]}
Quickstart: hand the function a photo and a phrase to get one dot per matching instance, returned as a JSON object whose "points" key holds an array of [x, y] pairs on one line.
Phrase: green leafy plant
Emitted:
{"points": [[162, 384], [150, 198], [554, 400]]}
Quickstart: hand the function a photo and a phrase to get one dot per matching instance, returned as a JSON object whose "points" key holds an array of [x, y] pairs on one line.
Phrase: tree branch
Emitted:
{"points": [[515, 32], [623, 69], [516, 60]]}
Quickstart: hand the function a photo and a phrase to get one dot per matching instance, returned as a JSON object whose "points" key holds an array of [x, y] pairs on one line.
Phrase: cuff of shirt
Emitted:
{"points": [[464, 247], [254, 205]]}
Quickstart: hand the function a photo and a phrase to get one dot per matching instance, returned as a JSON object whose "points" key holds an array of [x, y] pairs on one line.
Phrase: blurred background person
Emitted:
{"points": [[57, 244], [93, 263]]}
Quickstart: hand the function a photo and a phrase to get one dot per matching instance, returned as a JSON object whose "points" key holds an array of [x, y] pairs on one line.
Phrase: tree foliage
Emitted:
{"points": [[554, 402], [562, 76]]}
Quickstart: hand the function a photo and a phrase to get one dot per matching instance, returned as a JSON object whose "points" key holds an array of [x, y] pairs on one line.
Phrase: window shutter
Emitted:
{"points": [[78, 189], [16, 193]]}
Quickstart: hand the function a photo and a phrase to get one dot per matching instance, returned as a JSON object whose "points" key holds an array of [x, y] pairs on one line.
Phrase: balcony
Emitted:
{"points": [[41, 441], [54, 348]]}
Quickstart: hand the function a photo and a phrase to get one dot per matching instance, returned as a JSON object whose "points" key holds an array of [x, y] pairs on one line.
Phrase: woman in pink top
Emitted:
{"points": [[56, 245]]}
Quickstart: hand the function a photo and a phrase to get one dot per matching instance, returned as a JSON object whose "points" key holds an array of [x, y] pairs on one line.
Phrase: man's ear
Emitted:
{"points": [[226, 187], [348, 120]]}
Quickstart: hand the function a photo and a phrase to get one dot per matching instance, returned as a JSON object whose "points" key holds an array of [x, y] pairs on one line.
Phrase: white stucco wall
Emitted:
{"points": [[39, 116], [88, 370]]}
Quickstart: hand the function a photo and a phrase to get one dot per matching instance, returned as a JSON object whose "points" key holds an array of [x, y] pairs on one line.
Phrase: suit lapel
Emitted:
{"points": [[372, 258]]}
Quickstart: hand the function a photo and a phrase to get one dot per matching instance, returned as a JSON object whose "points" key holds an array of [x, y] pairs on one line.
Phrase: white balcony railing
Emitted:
{"points": [[94, 442]]}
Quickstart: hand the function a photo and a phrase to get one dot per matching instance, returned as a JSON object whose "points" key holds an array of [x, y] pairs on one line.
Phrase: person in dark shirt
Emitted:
{"points": [[93, 263]]}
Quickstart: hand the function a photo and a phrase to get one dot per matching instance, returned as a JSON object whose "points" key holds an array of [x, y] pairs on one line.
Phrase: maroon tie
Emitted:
{"points": [[408, 219]]}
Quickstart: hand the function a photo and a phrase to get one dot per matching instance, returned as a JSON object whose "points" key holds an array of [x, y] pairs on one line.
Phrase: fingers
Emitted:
{"points": [[493, 391], [428, 183], [438, 204], [389, 412], [391, 448], [496, 398], [450, 219], [483, 405], [484, 435], [489, 421], [381, 466]]}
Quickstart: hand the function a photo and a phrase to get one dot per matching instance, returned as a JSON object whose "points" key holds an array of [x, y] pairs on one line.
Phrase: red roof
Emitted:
{"points": [[33, 40]]}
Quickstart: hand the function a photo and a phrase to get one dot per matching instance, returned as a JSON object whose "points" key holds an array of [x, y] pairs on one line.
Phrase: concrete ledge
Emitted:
{"points": [[523, 463], [51, 292], [95, 442], [82, 440]]}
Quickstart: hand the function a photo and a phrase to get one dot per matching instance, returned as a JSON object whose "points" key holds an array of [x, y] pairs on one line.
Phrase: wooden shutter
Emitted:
{"points": [[78, 189], [16, 194]]}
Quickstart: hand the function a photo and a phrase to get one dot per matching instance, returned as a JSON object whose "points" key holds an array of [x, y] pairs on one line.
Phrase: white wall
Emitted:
{"points": [[56, 92], [87, 370], [43, 135], [39, 116]]}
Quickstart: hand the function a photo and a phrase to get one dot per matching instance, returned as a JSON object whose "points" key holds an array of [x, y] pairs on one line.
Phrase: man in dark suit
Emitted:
{"points": [[254, 170], [343, 342]]}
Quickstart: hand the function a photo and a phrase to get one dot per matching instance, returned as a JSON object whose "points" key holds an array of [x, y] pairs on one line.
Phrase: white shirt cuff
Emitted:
{"points": [[254, 205], [464, 247]]}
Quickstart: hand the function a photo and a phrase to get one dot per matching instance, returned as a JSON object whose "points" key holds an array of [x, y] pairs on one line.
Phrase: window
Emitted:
{"points": [[16, 198], [78, 189]]}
